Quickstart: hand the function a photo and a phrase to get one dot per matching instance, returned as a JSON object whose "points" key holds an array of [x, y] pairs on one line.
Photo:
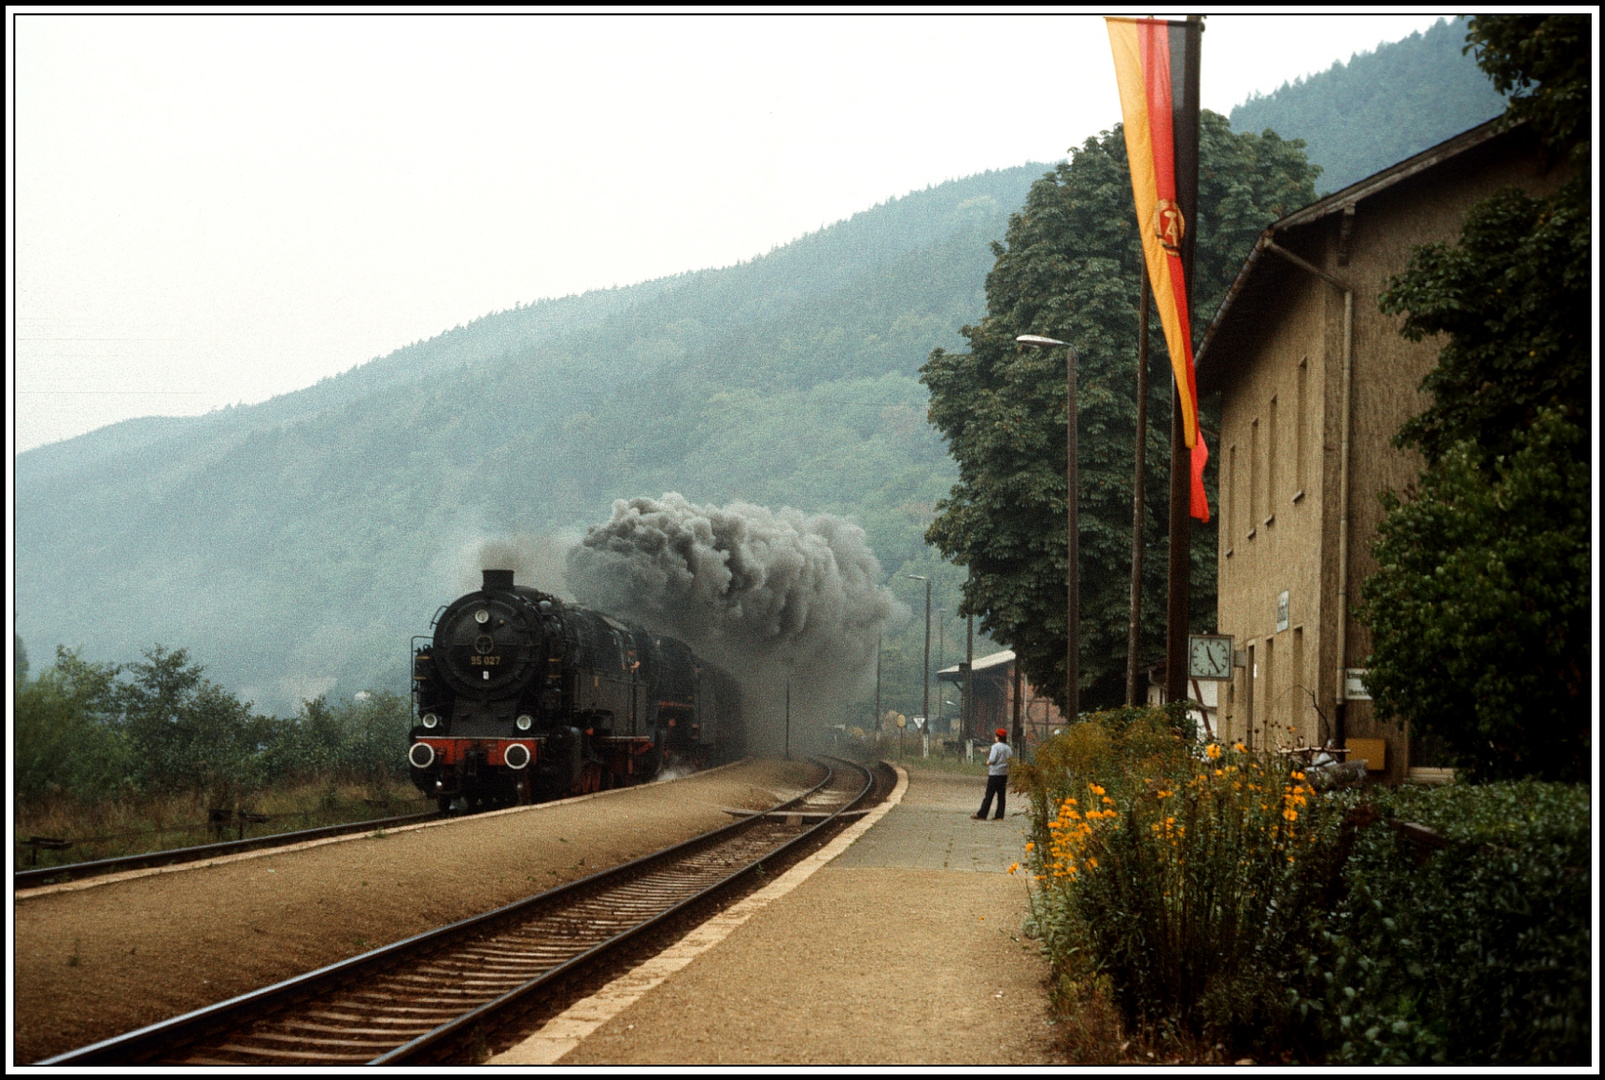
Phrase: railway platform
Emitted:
{"points": [[897, 944]]}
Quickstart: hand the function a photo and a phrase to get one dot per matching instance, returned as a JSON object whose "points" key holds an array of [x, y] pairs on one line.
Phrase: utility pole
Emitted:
{"points": [[969, 678], [927, 672], [879, 641]]}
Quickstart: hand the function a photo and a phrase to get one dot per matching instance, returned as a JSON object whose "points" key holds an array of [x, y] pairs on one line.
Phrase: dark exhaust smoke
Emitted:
{"points": [[770, 596]]}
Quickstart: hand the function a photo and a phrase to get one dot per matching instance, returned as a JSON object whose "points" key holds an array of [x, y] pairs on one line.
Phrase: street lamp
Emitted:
{"points": [[1072, 670], [927, 706]]}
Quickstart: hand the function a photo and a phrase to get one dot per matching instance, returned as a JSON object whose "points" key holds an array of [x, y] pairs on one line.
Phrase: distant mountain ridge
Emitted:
{"points": [[295, 545], [1380, 107]]}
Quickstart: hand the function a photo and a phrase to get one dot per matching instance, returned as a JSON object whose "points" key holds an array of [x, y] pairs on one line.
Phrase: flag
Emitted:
{"points": [[1149, 57]]}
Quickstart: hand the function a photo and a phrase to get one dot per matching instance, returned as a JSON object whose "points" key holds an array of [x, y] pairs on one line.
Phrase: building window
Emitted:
{"points": [[1270, 462], [1253, 474], [1299, 696], [1268, 694], [1229, 497], [1300, 404], [1250, 677]]}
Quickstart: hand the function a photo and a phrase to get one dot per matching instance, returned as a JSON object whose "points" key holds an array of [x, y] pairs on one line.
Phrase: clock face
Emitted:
{"points": [[1210, 658]]}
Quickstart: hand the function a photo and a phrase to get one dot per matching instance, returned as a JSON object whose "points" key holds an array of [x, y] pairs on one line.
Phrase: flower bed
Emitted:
{"points": [[1222, 899]]}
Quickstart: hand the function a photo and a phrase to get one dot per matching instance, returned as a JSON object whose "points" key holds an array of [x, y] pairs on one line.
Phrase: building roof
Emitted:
{"points": [[1254, 284], [982, 665]]}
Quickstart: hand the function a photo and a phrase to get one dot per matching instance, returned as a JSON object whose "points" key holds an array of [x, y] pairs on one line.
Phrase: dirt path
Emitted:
{"points": [[93, 960]]}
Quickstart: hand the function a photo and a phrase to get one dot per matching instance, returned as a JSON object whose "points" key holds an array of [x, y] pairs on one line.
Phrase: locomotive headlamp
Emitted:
{"points": [[525, 722], [431, 720], [482, 616]]}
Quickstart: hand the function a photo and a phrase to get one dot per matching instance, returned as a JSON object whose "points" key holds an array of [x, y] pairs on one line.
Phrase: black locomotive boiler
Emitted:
{"points": [[521, 697]]}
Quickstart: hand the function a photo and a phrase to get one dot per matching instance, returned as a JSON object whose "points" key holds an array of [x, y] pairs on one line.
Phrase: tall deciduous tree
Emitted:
{"points": [[1069, 269], [1480, 609]]}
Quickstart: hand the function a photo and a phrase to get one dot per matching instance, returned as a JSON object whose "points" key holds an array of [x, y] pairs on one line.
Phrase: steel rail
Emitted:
{"points": [[443, 981], [51, 875]]}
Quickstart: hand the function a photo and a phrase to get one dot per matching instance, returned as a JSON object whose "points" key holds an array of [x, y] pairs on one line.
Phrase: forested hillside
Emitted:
{"points": [[293, 547], [1381, 107]]}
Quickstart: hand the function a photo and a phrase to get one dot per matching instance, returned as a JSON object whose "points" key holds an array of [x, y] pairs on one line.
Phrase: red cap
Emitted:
{"points": [[1002, 734]]}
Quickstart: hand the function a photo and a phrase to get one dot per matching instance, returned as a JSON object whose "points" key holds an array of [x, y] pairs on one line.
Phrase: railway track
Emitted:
{"points": [[396, 1004], [52, 875]]}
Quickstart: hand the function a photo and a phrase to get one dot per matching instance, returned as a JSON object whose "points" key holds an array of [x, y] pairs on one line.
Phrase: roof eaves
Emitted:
{"points": [[1393, 174], [1340, 200], [1238, 284], [982, 663]]}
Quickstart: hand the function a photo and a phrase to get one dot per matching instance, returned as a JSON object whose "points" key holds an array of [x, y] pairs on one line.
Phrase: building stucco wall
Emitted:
{"points": [[1274, 539]]}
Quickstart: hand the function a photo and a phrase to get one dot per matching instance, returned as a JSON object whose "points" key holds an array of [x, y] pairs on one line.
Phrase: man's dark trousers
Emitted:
{"points": [[999, 786]]}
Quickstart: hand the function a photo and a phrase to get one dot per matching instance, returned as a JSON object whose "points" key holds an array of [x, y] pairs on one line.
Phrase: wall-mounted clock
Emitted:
{"points": [[1209, 656]]}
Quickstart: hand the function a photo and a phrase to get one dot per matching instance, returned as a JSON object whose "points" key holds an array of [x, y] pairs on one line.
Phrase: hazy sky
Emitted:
{"points": [[213, 209]]}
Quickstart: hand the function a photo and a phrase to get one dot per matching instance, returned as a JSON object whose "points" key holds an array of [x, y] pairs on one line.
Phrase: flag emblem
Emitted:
{"points": [[1168, 225]]}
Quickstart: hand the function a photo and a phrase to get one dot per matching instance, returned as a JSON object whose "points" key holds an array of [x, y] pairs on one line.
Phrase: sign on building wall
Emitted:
{"points": [[1354, 684], [1281, 611]]}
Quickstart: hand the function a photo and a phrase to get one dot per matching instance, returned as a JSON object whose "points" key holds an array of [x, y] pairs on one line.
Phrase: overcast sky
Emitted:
{"points": [[213, 209]]}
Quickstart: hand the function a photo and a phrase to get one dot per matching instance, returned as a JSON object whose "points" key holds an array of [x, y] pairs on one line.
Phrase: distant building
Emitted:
{"points": [[1314, 383], [993, 679]]}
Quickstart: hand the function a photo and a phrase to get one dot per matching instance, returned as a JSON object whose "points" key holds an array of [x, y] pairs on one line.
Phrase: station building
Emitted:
{"points": [[1314, 381], [993, 686]]}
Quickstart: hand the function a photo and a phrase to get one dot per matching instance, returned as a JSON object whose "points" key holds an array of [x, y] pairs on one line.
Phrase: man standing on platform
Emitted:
{"points": [[997, 775]]}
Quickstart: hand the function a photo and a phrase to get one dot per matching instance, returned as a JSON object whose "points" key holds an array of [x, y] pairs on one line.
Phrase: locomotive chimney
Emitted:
{"points": [[498, 579]]}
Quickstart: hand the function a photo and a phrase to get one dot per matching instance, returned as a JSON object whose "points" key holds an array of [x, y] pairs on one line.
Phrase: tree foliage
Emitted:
{"points": [[1514, 300], [1542, 63], [1480, 608], [1069, 269], [96, 732], [67, 737], [1480, 613]]}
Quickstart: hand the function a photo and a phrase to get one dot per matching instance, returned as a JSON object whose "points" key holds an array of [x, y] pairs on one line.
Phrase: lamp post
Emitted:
{"points": [[927, 677], [941, 659], [879, 641], [1072, 671]]}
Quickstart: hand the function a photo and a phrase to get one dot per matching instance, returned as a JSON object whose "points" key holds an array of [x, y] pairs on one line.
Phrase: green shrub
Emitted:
{"points": [[1478, 953], [65, 741], [1224, 901]]}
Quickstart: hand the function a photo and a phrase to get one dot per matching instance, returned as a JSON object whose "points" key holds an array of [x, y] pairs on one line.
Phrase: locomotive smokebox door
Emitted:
{"points": [[487, 643]]}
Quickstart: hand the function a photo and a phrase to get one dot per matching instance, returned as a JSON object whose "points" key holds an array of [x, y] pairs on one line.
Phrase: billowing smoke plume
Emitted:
{"points": [[773, 597], [536, 561]]}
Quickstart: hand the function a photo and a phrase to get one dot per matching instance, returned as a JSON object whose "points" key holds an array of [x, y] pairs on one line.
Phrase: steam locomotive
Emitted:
{"points": [[521, 697]]}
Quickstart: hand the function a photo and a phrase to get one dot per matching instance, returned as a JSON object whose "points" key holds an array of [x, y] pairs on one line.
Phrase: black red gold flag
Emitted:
{"points": [[1149, 59]]}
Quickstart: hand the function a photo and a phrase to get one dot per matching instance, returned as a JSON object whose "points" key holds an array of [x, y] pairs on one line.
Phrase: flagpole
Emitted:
{"points": [[1181, 525]]}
